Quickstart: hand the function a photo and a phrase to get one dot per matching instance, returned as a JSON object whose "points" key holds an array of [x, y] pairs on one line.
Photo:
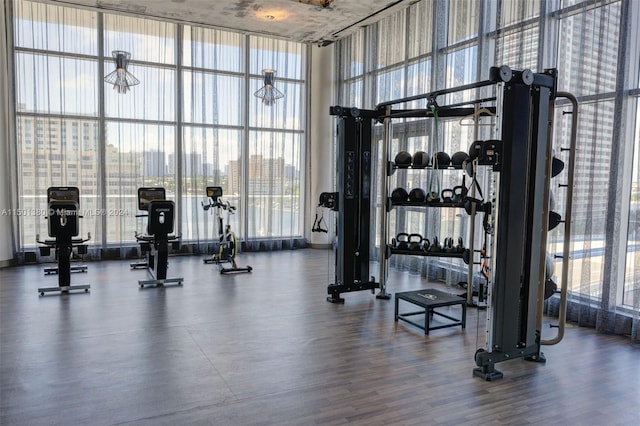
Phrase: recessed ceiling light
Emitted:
{"points": [[273, 15]]}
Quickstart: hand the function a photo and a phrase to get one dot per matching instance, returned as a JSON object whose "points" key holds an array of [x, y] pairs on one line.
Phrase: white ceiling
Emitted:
{"points": [[296, 20]]}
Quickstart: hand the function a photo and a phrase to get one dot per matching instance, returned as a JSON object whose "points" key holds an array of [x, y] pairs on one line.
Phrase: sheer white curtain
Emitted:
{"points": [[213, 132], [57, 128], [8, 179], [140, 128], [192, 122], [274, 160]]}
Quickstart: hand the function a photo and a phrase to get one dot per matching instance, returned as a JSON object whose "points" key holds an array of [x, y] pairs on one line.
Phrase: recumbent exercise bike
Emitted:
{"points": [[227, 244], [63, 203], [155, 243]]}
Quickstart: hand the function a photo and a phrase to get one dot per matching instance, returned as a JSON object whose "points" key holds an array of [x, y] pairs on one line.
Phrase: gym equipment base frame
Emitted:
{"points": [[64, 288], [53, 270], [141, 264], [352, 201], [156, 242], [227, 244], [158, 257], [178, 281]]}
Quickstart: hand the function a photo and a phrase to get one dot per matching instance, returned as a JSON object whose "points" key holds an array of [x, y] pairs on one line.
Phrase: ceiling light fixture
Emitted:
{"points": [[269, 94], [323, 4], [121, 79]]}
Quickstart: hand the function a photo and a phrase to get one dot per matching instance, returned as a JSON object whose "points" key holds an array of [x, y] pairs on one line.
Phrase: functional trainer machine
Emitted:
{"points": [[521, 219], [352, 202], [227, 244], [155, 243], [522, 165], [64, 212]]}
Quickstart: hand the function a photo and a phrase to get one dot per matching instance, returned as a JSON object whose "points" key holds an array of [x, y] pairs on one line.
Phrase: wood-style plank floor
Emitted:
{"points": [[266, 349]]}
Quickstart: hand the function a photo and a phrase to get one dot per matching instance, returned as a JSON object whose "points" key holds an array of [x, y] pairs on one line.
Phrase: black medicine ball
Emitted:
{"points": [[403, 159], [420, 160], [459, 159], [474, 150], [417, 195], [399, 195], [441, 160]]}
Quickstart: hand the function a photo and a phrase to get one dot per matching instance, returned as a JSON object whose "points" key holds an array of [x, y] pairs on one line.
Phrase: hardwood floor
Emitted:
{"points": [[266, 349]]}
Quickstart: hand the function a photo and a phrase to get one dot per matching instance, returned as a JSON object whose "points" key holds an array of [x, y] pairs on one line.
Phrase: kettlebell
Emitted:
{"points": [[403, 160], [426, 245], [433, 197], [460, 246], [447, 196], [435, 247], [448, 245], [414, 242], [459, 193], [402, 241]]}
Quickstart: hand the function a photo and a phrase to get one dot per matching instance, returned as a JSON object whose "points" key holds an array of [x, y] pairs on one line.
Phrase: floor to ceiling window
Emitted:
{"points": [[192, 122]]}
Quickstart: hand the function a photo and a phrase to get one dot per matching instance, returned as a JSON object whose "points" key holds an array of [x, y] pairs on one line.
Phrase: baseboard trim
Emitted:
{"points": [[320, 246]]}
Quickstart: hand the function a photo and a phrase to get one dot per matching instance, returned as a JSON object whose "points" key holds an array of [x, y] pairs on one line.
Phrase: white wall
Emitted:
{"points": [[322, 167]]}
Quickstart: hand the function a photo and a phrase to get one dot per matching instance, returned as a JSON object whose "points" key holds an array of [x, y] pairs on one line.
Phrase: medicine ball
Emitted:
{"points": [[550, 267], [557, 166], [474, 149], [554, 219], [403, 159], [420, 160], [441, 160], [550, 287], [459, 159], [399, 195], [552, 200], [417, 195]]}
